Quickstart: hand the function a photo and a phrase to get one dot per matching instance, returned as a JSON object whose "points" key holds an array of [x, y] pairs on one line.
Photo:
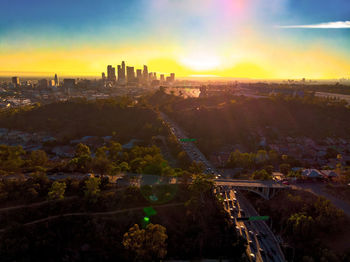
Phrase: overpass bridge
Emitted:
{"points": [[264, 188]]}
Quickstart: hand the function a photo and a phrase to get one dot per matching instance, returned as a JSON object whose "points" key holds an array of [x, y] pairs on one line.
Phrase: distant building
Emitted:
{"points": [[162, 79], [43, 83], [52, 83], [111, 73], [172, 77], [69, 83], [139, 74], [57, 81], [123, 69], [15, 81], [150, 77], [103, 76], [130, 73], [145, 73], [154, 76]]}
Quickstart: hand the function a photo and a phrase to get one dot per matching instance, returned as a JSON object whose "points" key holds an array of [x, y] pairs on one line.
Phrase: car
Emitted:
{"points": [[251, 232], [232, 217], [242, 228], [261, 251], [252, 256]]}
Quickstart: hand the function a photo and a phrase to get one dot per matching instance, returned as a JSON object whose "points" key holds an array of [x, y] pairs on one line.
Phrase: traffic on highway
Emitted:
{"points": [[262, 245]]}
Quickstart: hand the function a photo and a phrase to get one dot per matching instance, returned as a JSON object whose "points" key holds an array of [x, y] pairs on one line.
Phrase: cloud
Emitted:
{"points": [[338, 24]]}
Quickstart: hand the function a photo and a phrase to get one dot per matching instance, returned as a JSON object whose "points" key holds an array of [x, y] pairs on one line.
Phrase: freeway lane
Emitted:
{"points": [[253, 249]]}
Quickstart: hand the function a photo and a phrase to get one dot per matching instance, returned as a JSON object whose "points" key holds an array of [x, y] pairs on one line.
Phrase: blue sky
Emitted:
{"points": [[180, 26]]}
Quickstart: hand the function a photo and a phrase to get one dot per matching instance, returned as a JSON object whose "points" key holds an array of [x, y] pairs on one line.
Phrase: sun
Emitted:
{"points": [[199, 62]]}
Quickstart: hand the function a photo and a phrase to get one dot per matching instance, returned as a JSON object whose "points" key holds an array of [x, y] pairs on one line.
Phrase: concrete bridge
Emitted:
{"points": [[266, 189]]}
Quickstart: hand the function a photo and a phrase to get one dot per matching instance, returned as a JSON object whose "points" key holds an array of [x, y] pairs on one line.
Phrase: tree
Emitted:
{"points": [[196, 167], [284, 168], [101, 165], [269, 169], [92, 188], [261, 175], [11, 158], [38, 158], [114, 151], [200, 186], [301, 225], [185, 178], [82, 150], [146, 244], [124, 166], [57, 190]]}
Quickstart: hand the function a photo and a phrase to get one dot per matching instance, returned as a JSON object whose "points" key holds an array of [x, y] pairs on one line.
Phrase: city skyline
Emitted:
{"points": [[238, 39]]}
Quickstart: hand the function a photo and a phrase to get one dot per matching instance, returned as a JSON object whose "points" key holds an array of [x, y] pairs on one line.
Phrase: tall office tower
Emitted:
{"points": [[103, 76], [123, 69], [114, 78], [162, 79], [130, 74], [145, 73], [109, 73], [15, 81], [172, 77], [43, 83], [154, 76], [150, 77], [139, 75], [57, 83], [119, 73], [52, 83]]}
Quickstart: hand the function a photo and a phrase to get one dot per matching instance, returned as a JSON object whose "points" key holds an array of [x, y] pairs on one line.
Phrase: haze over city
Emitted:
{"points": [[221, 38]]}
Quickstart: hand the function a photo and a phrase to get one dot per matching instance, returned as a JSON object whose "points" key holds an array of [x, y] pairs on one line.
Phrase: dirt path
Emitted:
{"points": [[33, 205], [108, 213], [318, 189]]}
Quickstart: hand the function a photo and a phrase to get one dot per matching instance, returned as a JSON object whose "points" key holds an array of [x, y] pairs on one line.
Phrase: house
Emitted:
{"points": [[329, 173], [311, 173]]}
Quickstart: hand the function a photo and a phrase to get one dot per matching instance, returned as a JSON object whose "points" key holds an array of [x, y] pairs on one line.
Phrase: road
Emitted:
{"points": [[255, 246], [318, 189], [251, 183]]}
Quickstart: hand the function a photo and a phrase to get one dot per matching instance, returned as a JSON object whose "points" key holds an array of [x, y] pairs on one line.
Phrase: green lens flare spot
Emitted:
{"points": [[146, 219]]}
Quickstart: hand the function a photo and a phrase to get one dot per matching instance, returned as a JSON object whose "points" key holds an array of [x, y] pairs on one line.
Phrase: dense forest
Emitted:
{"points": [[221, 120], [79, 117]]}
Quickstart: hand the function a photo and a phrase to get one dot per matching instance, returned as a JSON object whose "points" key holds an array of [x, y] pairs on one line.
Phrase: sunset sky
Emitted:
{"points": [[227, 38]]}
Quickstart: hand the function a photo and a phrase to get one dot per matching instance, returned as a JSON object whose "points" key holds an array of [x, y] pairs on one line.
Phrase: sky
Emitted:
{"points": [[274, 39]]}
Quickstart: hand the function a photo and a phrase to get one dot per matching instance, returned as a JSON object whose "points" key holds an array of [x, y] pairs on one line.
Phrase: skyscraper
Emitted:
{"points": [[172, 77], [123, 69], [130, 74], [162, 79], [154, 76], [57, 83], [111, 73], [103, 76], [145, 73], [15, 81], [139, 75], [114, 78]]}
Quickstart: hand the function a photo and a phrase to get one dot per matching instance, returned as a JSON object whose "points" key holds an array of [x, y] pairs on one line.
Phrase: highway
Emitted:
{"points": [[261, 242]]}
